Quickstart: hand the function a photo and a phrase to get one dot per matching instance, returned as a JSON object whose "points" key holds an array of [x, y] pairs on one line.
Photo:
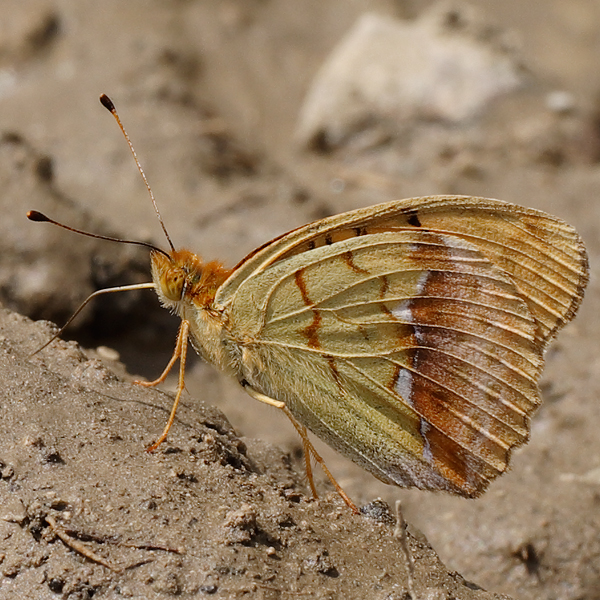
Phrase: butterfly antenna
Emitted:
{"points": [[108, 104], [38, 217]]}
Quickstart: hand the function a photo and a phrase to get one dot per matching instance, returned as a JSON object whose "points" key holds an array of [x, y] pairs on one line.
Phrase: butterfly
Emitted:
{"points": [[409, 335]]}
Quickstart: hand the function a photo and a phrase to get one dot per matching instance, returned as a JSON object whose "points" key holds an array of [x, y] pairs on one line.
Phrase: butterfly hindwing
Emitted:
{"points": [[402, 331]]}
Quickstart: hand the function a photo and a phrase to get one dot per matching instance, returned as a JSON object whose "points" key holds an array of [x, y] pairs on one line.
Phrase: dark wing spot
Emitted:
{"points": [[413, 220], [348, 258], [311, 332]]}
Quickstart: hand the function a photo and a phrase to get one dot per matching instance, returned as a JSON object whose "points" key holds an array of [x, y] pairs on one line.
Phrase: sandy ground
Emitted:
{"points": [[211, 95]]}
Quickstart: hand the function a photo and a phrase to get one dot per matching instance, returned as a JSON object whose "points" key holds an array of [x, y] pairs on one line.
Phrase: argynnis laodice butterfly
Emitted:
{"points": [[408, 335]]}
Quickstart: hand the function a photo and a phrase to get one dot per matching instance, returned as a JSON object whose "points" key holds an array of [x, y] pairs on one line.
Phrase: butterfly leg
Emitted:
{"points": [[306, 449], [172, 361], [307, 445], [181, 353]]}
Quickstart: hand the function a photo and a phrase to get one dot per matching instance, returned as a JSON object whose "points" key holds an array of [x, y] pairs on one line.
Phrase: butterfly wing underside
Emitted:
{"points": [[410, 335]]}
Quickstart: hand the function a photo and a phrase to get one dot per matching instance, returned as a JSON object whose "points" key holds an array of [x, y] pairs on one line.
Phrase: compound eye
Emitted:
{"points": [[172, 282]]}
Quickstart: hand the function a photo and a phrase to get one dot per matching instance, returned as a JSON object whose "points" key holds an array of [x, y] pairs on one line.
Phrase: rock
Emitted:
{"points": [[444, 66]]}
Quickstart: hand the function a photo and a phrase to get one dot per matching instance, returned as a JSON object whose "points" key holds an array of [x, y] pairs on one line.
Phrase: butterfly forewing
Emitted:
{"points": [[410, 335], [543, 255]]}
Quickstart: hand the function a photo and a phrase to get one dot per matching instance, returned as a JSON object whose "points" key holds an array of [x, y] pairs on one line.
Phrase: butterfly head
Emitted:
{"points": [[181, 277]]}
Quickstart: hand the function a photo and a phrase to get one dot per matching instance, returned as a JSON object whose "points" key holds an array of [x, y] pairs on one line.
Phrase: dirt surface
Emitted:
{"points": [[211, 94]]}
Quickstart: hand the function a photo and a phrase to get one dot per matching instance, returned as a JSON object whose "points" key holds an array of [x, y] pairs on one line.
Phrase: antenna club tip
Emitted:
{"points": [[107, 102], [34, 215]]}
